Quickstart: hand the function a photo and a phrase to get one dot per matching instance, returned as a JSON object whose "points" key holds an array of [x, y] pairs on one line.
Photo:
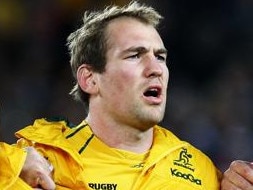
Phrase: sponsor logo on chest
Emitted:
{"points": [[184, 161], [186, 176]]}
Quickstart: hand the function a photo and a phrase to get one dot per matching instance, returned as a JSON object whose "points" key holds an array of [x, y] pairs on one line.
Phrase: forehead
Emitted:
{"points": [[127, 31]]}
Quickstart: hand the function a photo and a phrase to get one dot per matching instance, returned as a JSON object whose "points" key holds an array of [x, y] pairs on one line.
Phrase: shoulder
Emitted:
{"points": [[45, 127], [187, 159], [53, 121], [186, 163]]}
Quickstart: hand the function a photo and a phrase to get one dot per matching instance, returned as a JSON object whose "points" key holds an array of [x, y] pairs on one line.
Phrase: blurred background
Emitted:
{"points": [[210, 46]]}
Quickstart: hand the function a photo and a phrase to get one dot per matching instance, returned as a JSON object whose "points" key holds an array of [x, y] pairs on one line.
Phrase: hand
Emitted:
{"points": [[37, 172], [239, 176]]}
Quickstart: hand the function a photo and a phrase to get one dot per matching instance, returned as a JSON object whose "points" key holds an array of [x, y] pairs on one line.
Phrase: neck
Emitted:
{"points": [[121, 136]]}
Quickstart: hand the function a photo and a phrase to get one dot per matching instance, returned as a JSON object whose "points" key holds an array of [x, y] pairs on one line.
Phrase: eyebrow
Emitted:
{"points": [[162, 51], [141, 49]]}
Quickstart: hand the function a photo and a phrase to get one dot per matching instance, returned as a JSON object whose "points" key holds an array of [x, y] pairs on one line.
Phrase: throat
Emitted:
{"points": [[130, 140], [120, 135]]}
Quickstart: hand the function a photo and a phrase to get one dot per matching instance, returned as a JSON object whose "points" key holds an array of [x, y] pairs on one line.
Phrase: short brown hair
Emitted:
{"points": [[88, 44]]}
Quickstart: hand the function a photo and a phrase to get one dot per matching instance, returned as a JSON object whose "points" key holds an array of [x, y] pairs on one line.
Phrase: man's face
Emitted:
{"points": [[134, 85]]}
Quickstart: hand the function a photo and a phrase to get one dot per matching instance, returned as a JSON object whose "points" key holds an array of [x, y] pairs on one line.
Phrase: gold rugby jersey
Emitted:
{"points": [[82, 162]]}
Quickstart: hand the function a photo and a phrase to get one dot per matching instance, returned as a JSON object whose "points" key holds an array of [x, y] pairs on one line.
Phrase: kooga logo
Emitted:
{"points": [[189, 177]]}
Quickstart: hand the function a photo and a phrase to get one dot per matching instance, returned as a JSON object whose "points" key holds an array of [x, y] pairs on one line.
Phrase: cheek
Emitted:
{"points": [[166, 74], [118, 82], [123, 76], [123, 82]]}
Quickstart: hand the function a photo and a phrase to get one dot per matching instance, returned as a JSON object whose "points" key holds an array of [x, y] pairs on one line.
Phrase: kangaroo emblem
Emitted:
{"points": [[184, 157]]}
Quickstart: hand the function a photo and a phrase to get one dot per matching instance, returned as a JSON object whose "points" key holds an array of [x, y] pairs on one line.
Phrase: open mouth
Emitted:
{"points": [[153, 92]]}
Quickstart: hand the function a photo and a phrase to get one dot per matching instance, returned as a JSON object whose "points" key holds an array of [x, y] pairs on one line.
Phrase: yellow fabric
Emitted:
{"points": [[82, 161], [12, 160]]}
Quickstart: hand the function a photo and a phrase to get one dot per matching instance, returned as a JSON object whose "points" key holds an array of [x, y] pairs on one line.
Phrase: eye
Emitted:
{"points": [[161, 57], [134, 56]]}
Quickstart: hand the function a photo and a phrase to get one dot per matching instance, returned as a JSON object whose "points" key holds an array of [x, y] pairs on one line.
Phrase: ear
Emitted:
{"points": [[86, 79]]}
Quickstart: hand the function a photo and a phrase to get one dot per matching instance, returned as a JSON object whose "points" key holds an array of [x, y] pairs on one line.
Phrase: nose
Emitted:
{"points": [[153, 68]]}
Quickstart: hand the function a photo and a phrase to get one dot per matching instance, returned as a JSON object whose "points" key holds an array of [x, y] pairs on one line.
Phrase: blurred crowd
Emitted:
{"points": [[210, 43]]}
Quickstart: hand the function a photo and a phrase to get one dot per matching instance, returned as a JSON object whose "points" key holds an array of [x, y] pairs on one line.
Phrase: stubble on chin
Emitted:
{"points": [[149, 117]]}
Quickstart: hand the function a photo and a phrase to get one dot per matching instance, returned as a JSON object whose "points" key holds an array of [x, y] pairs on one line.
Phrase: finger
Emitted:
{"points": [[30, 177], [37, 170], [227, 185], [244, 169], [46, 165], [45, 182], [235, 180]]}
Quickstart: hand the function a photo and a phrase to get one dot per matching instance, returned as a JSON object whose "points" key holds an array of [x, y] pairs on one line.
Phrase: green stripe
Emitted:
{"points": [[59, 119], [76, 131], [86, 144]]}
